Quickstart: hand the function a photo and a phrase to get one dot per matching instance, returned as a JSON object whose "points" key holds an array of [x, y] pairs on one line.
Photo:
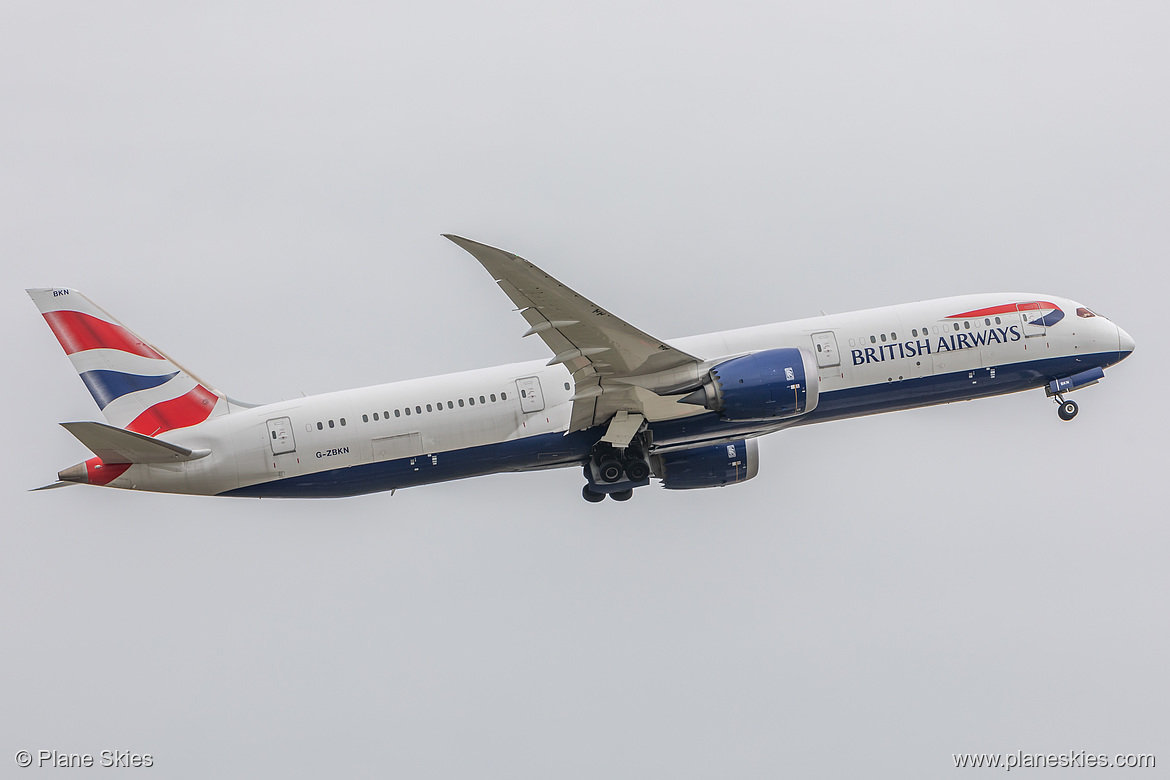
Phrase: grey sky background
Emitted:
{"points": [[259, 188]]}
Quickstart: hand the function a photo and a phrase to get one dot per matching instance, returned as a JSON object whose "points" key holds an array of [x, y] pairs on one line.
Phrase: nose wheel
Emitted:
{"points": [[1067, 409]]}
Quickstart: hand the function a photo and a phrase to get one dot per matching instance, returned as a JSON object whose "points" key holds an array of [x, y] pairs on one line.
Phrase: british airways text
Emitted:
{"points": [[955, 341]]}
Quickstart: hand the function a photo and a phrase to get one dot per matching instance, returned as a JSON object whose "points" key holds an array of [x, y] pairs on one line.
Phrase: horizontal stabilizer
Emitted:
{"points": [[52, 485], [115, 445]]}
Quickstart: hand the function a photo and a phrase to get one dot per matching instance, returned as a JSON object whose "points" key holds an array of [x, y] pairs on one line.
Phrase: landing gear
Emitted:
{"points": [[609, 469], [590, 496], [616, 472], [1067, 410], [637, 469]]}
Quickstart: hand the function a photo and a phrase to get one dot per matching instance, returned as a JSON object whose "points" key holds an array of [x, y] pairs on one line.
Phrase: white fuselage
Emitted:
{"points": [[516, 416]]}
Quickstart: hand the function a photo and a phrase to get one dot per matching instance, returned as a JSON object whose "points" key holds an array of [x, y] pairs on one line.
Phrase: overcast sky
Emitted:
{"points": [[259, 188]]}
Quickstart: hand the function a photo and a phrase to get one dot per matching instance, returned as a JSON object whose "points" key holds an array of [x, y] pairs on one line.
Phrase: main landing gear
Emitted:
{"points": [[615, 473], [1067, 409]]}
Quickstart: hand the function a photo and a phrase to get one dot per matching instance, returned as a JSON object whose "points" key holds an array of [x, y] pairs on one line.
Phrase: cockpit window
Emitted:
{"points": [[1083, 312]]}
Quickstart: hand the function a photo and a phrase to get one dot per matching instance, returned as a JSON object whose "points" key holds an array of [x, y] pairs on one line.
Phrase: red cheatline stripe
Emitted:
{"points": [[99, 473], [1009, 308], [78, 332], [182, 412]]}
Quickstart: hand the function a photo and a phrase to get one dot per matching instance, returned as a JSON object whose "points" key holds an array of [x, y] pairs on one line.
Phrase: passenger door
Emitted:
{"points": [[1032, 322], [825, 346], [531, 399], [280, 436]]}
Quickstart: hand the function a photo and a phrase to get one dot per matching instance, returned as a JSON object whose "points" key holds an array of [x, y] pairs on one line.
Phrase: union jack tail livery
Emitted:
{"points": [[137, 387]]}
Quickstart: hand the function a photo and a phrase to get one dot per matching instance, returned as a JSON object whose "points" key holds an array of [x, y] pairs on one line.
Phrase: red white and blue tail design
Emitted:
{"points": [[136, 386]]}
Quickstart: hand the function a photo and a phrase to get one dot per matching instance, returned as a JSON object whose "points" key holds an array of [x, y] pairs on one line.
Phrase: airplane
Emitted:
{"points": [[614, 401]]}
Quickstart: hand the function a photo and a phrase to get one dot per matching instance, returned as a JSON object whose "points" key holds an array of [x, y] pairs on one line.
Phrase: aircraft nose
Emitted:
{"points": [[1125, 344]]}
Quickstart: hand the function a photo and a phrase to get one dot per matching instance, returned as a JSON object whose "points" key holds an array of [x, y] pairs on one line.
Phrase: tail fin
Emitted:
{"points": [[136, 385]]}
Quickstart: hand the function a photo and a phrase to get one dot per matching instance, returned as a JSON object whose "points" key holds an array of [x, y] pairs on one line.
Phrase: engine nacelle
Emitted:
{"points": [[769, 385], [714, 465]]}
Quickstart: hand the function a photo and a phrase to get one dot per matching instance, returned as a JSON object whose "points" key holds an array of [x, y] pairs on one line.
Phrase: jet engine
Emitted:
{"points": [[713, 465], [769, 385]]}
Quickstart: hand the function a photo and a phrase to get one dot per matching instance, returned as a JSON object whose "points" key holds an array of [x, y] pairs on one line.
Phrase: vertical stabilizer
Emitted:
{"points": [[136, 385]]}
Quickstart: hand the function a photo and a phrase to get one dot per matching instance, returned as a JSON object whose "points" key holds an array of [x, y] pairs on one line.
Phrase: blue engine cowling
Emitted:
{"points": [[769, 385], [714, 465]]}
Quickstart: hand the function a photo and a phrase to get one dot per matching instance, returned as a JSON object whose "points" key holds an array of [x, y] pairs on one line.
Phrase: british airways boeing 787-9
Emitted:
{"points": [[617, 402]]}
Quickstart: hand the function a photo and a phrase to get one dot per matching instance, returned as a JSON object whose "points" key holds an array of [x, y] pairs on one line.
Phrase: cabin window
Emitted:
{"points": [[397, 413], [320, 426], [967, 324], [439, 406], [331, 424], [956, 326], [428, 407], [274, 434], [997, 321], [987, 322], [503, 396], [883, 337], [407, 411], [343, 421], [460, 403], [493, 397], [471, 400], [893, 337], [418, 409], [872, 340], [375, 417], [450, 405], [481, 400], [914, 333], [566, 385], [365, 418]]}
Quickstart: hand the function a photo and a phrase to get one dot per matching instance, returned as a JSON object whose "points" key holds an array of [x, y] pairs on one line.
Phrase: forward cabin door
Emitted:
{"points": [[1032, 322], [531, 399]]}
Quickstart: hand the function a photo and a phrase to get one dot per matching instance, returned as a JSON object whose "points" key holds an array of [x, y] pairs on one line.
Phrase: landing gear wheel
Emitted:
{"points": [[590, 496], [622, 495], [610, 470], [1067, 410], [637, 470]]}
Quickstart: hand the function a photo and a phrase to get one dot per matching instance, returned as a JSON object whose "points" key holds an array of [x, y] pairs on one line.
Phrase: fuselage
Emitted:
{"points": [[516, 417]]}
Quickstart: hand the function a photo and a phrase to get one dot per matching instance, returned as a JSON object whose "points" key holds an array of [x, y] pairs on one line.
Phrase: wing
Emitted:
{"points": [[615, 366]]}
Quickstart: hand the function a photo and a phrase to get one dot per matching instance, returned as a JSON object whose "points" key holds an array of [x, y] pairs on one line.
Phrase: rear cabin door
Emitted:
{"points": [[1031, 319], [280, 436], [825, 345], [531, 399]]}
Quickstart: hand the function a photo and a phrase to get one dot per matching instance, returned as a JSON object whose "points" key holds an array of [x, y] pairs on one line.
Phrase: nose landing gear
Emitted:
{"points": [[1067, 409]]}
